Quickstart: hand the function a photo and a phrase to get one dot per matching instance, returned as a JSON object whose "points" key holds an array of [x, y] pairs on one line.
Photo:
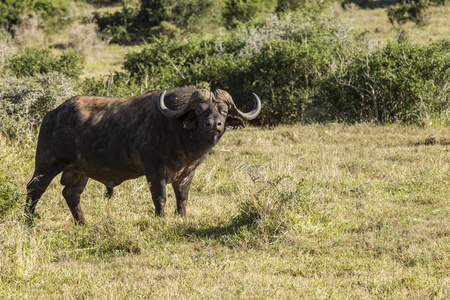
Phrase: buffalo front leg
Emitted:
{"points": [[181, 189], [74, 186], [158, 191]]}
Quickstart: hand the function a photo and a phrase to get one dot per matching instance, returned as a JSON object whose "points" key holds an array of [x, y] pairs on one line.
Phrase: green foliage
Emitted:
{"points": [[409, 10], [33, 61], [25, 100], [305, 5], [10, 196], [121, 26], [280, 60], [304, 66], [284, 5], [155, 17], [397, 82], [166, 62], [237, 12], [12, 10], [183, 14]]}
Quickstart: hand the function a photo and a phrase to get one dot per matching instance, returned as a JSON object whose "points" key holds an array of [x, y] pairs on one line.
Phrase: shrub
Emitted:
{"points": [[188, 15], [409, 10], [237, 12], [11, 11], [278, 205], [7, 49], [396, 82], [29, 31], [305, 5], [168, 62], [156, 17], [121, 27], [84, 39], [24, 101], [33, 61], [280, 60]]}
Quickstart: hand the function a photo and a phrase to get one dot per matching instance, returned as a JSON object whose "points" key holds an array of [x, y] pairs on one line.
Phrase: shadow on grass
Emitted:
{"points": [[225, 232], [217, 232], [430, 141]]}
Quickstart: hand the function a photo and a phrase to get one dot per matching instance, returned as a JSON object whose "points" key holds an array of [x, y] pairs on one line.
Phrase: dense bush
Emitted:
{"points": [[410, 10], [280, 60], [304, 67], [121, 26], [33, 61], [24, 101], [159, 17], [11, 11], [238, 12], [396, 82]]}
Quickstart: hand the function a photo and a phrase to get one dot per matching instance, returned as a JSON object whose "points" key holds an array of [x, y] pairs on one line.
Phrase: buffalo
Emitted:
{"points": [[164, 135]]}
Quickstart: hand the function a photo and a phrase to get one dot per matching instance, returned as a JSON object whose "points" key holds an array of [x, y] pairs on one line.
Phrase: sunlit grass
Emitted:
{"points": [[384, 192], [376, 23]]}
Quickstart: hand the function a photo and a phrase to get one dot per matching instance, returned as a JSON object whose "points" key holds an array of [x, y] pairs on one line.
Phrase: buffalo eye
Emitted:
{"points": [[223, 110]]}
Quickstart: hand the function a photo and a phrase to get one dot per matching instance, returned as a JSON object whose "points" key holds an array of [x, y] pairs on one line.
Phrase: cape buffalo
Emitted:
{"points": [[163, 135]]}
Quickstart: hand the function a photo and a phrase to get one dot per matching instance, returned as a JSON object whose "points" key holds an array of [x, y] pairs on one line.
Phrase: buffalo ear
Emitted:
{"points": [[189, 121], [234, 122]]}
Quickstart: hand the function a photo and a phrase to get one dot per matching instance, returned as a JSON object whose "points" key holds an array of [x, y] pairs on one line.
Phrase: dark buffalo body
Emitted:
{"points": [[162, 135]]}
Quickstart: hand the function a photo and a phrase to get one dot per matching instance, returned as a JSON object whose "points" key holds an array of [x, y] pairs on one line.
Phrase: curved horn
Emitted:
{"points": [[173, 114], [251, 114]]}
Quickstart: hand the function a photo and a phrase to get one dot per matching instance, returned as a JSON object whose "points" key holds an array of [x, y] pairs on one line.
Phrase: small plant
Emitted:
{"points": [[10, 196], [278, 205]]}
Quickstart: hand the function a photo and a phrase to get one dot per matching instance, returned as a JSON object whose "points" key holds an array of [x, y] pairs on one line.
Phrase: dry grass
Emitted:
{"points": [[105, 61], [385, 190], [378, 27]]}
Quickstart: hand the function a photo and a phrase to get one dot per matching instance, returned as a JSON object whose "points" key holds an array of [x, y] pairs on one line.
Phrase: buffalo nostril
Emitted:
{"points": [[219, 123]]}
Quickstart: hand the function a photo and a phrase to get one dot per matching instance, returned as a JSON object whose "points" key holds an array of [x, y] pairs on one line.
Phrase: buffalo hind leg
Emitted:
{"points": [[181, 190], [74, 185], [37, 186]]}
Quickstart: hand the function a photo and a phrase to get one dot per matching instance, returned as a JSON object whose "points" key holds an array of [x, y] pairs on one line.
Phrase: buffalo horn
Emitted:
{"points": [[251, 114], [173, 114]]}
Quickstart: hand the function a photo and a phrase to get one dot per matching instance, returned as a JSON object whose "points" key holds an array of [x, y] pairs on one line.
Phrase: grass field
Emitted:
{"points": [[320, 211], [375, 23], [373, 224]]}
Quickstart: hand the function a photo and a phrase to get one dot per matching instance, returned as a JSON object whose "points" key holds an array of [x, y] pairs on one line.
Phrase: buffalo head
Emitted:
{"points": [[209, 113]]}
